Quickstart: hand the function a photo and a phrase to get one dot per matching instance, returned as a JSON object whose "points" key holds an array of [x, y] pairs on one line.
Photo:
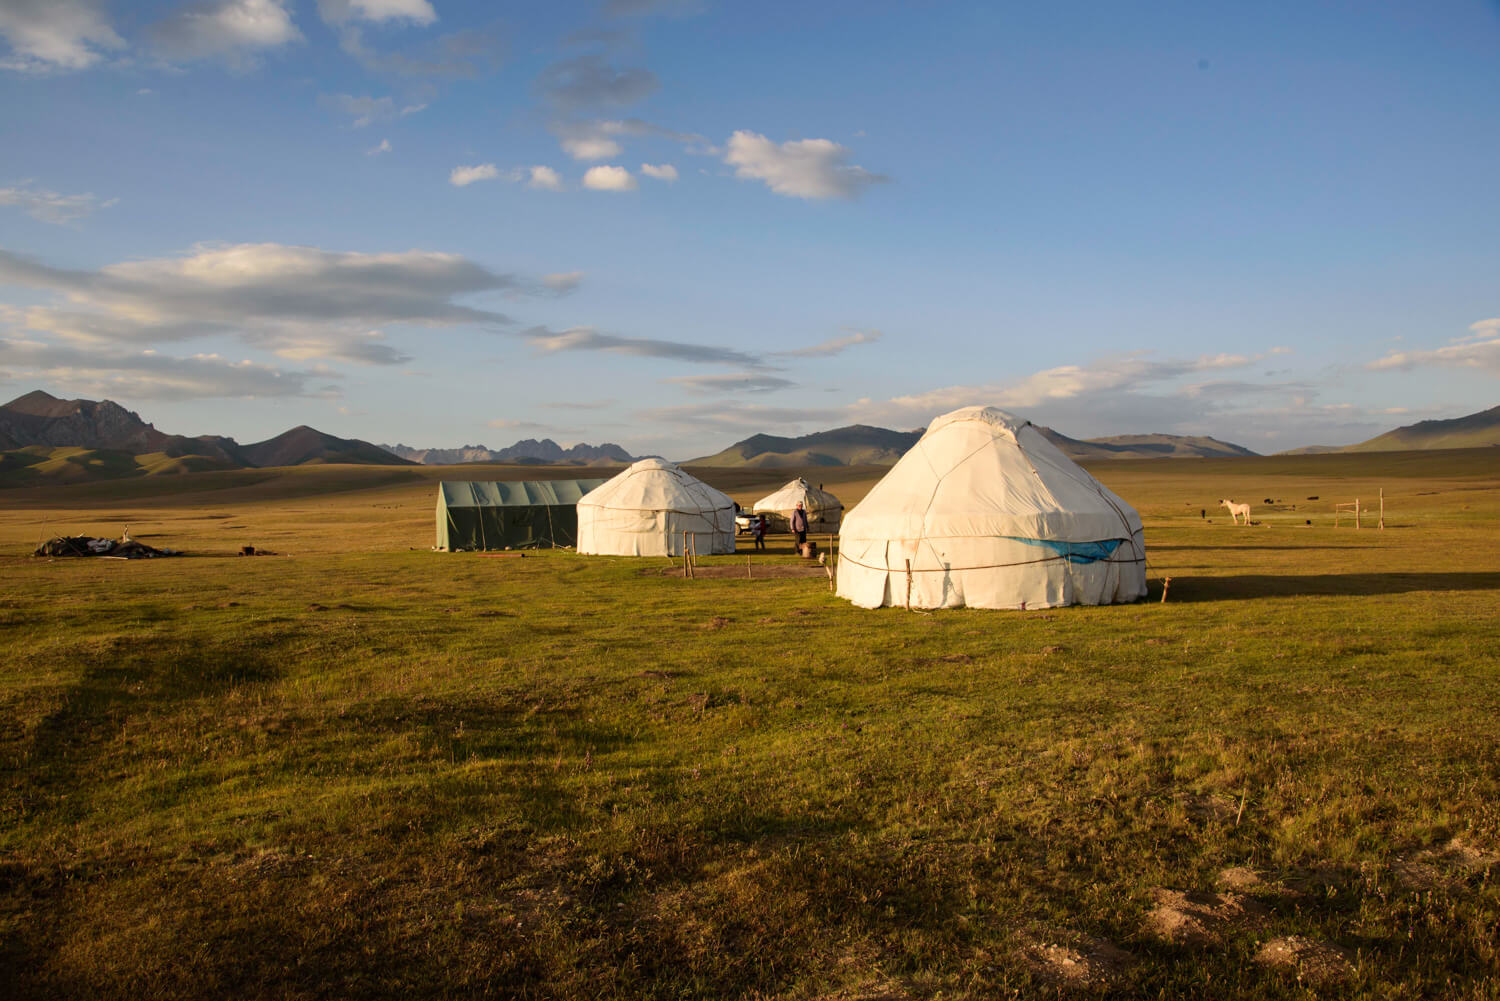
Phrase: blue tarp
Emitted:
{"points": [[1078, 552]]}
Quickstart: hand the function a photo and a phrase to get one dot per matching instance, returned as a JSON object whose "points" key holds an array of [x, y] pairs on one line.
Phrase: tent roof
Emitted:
{"points": [[980, 472], [514, 493], [657, 485], [787, 497]]}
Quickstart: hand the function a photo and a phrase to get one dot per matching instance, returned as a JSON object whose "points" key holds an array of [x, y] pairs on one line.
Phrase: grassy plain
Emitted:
{"points": [[366, 769]]}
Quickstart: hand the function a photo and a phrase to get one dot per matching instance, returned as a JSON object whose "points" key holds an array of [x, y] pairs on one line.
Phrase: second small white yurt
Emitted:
{"points": [[824, 510], [985, 512], [645, 510]]}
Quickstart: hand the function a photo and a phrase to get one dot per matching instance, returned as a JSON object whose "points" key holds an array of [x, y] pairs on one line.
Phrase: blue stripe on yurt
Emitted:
{"points": [[1077, 552]]}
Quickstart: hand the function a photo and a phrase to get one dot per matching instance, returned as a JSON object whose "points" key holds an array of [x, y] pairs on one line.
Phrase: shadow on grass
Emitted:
{"points": [[1280, 548], [1245, 586], [123, 678]]}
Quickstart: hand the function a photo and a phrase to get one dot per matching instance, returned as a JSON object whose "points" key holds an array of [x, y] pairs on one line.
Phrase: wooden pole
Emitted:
{"points": [[1382, 509], [1356, 513], [908, 585]]}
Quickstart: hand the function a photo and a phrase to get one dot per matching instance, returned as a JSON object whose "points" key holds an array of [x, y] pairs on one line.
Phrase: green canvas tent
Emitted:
{"points": [[520, 514]]}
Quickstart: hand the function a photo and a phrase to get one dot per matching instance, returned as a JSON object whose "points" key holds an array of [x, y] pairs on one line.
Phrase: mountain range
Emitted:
{"points": [[528, 451], [862, 445], [45, 438], [40, 420]]}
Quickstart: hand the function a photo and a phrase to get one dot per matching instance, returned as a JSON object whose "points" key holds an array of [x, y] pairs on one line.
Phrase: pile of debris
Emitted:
{"points": [[83, 545]]}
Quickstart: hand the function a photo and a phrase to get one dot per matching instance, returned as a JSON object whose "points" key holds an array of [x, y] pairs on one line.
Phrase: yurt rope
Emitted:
{"points": [[989, 566]]}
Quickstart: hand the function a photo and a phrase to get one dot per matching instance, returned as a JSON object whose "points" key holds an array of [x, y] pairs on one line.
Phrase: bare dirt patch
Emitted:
{"points": [[1310, 961], [1242, 879], [1191, 918], [1069, 959], [1212, 807], [1443, 867]]}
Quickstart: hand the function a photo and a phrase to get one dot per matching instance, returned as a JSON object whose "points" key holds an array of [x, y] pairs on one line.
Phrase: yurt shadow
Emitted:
{"points": [[1243, 587]]}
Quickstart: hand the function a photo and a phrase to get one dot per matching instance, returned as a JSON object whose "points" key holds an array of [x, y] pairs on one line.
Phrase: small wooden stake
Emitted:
{"points": [[1166, 582], [1382, 509]]}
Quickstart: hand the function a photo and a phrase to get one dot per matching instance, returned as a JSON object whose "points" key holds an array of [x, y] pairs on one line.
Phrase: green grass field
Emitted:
{"points": [[364, 769]]}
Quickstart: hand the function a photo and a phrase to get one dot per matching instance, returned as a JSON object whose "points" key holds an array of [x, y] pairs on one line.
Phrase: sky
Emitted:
{"points": [[671, 224]]}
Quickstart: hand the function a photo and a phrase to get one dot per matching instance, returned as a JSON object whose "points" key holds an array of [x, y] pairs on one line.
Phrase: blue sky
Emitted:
{"points": [[674, 224]]}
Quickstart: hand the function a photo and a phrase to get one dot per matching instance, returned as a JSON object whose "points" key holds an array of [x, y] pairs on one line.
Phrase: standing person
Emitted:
{"points": [[799, 524], [759, 531]]}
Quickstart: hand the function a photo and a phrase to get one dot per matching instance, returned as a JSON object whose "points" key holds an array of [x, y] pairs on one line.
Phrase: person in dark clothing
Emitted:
{"points": [[758, 530], [799, 523]]}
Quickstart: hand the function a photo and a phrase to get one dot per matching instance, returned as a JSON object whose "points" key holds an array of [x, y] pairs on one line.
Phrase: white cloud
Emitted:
{"points": [[742, 419], [1479, 349], [606, 178], [148, 375], [462, 176], [384, 146], [297, 302], [544, 179], [590, 81], [834, 345], [224, 28], [55, 34], [507, 424], [563, 282], [366, 110], [461, 55], [731, 382], [376, 11], [600, 139], [49, 206], [1121, 391], [591, 147], [662, 172], [804, 168], [589, 339]]}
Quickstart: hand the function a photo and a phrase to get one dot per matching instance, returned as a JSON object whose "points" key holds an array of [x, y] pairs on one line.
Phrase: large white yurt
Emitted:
{"points": [[986, 512], [645, 510], [824, 510]]}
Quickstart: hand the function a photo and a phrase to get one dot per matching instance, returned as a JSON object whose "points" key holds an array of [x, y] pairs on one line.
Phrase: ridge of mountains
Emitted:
{"points": [[1471, 431], [42, 436], [39, 419], [862, 445], [527, 451]]}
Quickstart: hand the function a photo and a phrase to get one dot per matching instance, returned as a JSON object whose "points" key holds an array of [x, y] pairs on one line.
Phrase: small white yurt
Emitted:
{"points": [[645, 510], [986, 512], [824, 510]]}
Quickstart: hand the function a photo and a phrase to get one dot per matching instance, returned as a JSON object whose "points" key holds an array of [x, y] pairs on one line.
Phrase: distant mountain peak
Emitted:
{"points": [[525, 451]]}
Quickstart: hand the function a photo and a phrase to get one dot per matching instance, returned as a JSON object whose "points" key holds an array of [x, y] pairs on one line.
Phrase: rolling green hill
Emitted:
{"points": [[39, 465], [1474, 431], [862, 445]]}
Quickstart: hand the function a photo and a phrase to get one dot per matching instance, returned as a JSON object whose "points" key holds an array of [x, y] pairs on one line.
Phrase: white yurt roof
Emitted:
{"points": [[787, 498], [649, 508], [657, 485], [984, 511], [980, 471]]}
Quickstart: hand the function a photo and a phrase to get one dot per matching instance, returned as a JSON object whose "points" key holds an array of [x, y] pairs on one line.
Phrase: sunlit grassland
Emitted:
{"points": [[369, 769]]}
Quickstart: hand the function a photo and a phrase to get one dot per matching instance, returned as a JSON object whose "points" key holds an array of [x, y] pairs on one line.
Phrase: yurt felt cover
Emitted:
{"points": [[824, 510], [988, 513], [645, 510], [515, 514]]}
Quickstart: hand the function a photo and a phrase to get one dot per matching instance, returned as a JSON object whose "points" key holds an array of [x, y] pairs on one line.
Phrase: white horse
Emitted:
{"points": [[1235, 510]]}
